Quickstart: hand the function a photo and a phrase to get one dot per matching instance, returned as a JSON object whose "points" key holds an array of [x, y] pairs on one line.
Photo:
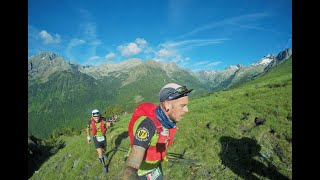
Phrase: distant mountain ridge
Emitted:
{"points": [[62, 92], [219, 80], [44, 64]]}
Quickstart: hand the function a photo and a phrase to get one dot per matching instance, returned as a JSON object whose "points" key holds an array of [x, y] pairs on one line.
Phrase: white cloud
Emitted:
{"points": [[148, 50], [192, 42], [178, 59], [173, 51], [235, 22], [134, 48], [73, 42], [141, 42], [48, 38], [207, 63], [201, 63], [214, 63], [164, 53], [110, 55], [76, 42], [93, 58], [130, 49]]}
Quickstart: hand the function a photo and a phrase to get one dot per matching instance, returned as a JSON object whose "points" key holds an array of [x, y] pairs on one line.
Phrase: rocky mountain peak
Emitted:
{"points": [[269, 56], [285, 54], [239, 66], [265, 60], [131, 62], [45, 55], [207, 73], [152, 63], [169, 66], [233, 67], [44, 64]]}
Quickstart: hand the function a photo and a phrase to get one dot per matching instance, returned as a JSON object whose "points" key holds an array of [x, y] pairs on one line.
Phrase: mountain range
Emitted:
{"points": [[63, 93]]}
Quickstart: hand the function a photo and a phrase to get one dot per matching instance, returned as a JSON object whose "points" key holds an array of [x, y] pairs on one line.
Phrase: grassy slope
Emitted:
{"points": [[212, 133], [216, 119]]}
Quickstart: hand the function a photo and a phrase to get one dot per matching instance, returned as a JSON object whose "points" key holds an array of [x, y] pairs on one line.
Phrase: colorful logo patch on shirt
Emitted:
{"points": [[142, 134]]}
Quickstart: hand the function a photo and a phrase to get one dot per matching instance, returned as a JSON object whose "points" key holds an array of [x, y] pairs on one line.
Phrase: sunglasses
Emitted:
{"points": [[179, 92], [181, 89], [95, 114]]}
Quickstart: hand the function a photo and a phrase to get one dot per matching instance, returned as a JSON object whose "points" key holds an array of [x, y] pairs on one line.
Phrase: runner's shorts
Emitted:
{"points": [[100, 142]]}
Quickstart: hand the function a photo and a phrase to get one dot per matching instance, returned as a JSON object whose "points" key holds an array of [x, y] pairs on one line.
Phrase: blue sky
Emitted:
{"points": [[195, 34]]}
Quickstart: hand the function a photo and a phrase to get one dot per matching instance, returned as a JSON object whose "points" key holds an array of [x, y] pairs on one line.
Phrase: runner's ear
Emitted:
{"points": [[167, 106]]}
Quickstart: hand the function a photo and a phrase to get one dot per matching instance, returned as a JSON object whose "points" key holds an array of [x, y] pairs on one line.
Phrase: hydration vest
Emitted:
{"points": [[160, 140], [94, 128]]}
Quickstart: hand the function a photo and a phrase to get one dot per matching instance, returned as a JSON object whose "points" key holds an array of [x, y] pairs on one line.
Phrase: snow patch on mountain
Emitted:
{"points": [[265, 60]]}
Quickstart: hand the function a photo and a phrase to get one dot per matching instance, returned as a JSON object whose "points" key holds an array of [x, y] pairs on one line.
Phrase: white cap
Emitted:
{"points": [[95, 111]]}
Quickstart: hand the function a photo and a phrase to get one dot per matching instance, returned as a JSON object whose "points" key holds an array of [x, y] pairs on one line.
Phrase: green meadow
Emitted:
{"points": [[244, 132]]}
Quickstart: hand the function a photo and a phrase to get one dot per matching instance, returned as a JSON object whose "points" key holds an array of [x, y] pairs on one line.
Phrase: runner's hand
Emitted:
{"points": [[88, 139]]}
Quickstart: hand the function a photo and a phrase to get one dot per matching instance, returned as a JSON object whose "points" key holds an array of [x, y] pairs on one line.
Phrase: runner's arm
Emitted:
{"points": [[88, 132], [142, 138], [133, 162], [88, 128]]}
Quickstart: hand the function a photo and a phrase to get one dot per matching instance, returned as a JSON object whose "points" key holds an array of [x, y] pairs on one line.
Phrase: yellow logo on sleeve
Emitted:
{"points": [[142, 134]]}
